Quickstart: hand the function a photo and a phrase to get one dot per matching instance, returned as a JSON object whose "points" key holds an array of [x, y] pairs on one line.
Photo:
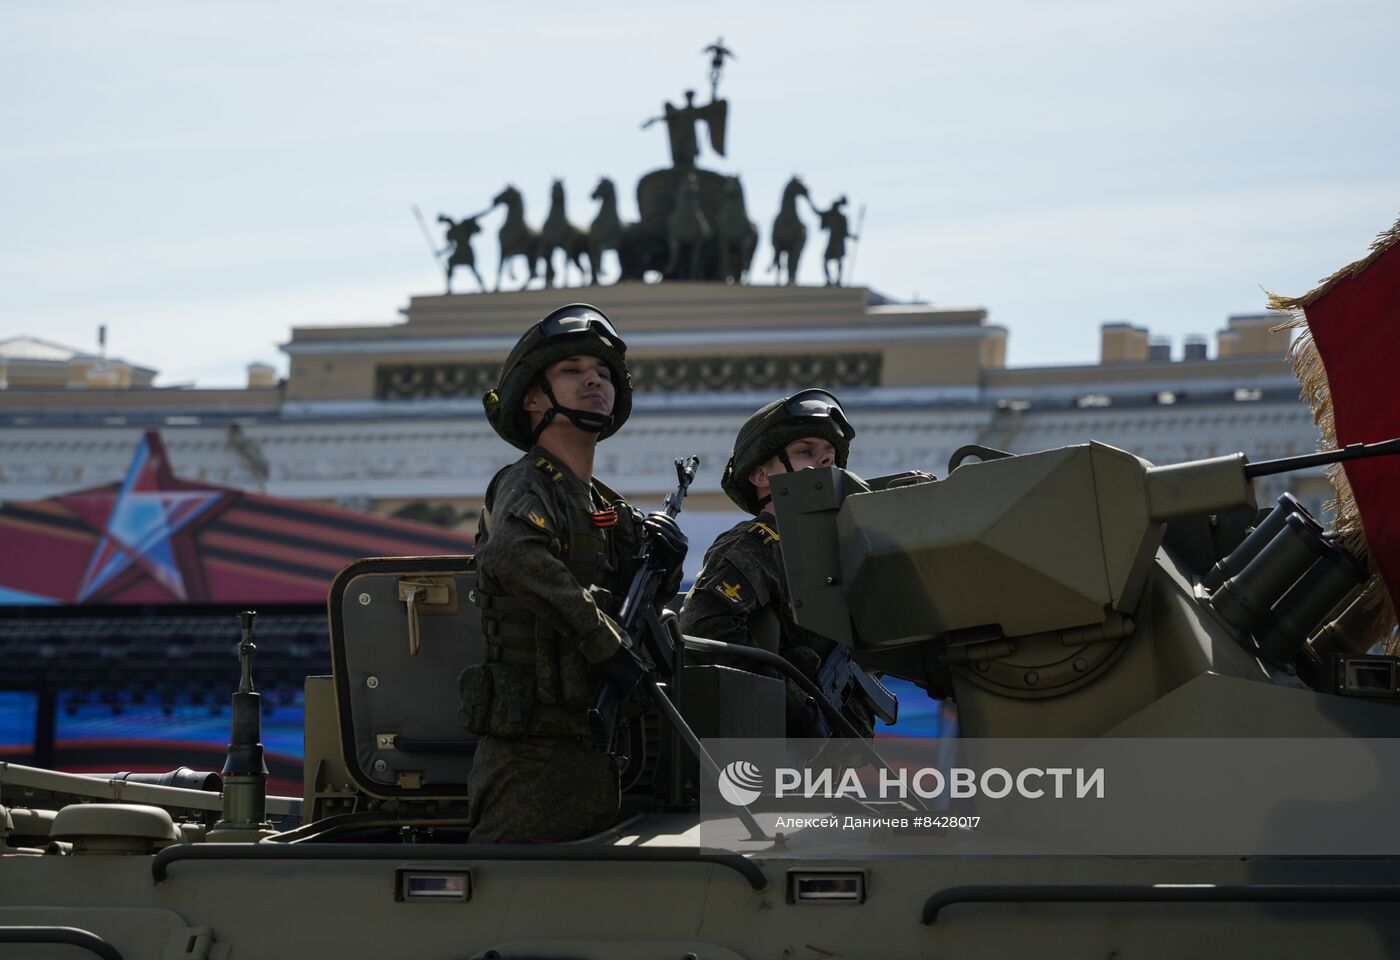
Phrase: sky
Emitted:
{"points": [[201, 178]]}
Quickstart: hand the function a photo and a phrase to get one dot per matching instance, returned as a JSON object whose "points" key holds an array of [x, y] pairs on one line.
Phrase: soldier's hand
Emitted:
{"points": [[624, 669], [668, 543]]}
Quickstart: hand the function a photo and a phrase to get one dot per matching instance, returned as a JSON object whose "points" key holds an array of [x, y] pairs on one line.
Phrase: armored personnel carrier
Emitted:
{"points": [[1078, 594]]}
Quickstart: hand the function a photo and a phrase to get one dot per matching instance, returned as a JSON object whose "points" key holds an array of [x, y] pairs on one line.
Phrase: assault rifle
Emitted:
{"points": [[842, 682], [639, 620]]}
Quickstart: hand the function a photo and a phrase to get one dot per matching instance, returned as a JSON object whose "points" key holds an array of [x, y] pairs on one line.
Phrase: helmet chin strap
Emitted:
{"points": [[585, 420], [787, 467]]}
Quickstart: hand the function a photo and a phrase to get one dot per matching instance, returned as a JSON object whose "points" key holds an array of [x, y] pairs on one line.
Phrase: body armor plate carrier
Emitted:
{"points": [[535, 680]]}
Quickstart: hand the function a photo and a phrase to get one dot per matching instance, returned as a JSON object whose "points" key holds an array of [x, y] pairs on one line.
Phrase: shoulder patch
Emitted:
{"points": [[531, 510], [545, 466], [733, 588], [763, 532]]}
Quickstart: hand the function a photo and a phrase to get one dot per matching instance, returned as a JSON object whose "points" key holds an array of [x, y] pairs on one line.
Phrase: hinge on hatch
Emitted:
{"points": [[425, 596]]}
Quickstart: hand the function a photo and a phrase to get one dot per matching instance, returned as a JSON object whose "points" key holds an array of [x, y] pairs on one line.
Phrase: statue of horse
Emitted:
{"points": [[640, 252], [738, 235], [688, 230], [606, 231], [559, 234], [516, 237], [789, 233]]}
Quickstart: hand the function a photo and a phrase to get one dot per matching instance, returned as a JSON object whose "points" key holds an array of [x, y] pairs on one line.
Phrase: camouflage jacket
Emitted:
{"points": [[524, 544], [741, 594]]}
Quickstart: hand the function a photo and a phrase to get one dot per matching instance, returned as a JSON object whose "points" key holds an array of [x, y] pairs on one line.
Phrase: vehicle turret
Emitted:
{"points": [[1037, 590]]}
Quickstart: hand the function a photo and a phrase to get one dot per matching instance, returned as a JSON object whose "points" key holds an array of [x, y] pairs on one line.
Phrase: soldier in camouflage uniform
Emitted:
{"points": [[556, 551], [741, 595]]}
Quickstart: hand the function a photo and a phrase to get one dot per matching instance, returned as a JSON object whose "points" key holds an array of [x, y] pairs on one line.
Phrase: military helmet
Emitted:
{"points": [[572, 330], [766, 434]]}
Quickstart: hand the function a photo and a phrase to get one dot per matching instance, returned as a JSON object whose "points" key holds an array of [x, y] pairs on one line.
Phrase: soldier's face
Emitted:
{"points": [[807, 452], [579, 383], [804, 454]]}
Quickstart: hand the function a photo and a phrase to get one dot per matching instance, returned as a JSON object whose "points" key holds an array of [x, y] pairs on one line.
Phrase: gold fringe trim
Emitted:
{"points": [[1312, 380], [1383, 242]]}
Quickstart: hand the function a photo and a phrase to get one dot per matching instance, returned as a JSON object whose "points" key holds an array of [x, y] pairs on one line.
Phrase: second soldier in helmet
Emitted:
{"points": [[556, 551], [741, 594]]}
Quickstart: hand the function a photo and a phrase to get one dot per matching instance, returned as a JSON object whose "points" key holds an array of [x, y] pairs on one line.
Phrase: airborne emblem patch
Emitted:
{"points": [[733, 588]]}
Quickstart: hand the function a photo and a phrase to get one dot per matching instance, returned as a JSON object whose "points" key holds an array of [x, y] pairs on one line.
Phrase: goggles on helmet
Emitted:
{"points": [[580, 319], [812, 405]]}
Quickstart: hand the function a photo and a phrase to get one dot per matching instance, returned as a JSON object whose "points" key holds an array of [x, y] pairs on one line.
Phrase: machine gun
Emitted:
{"points": [[639, 620]]}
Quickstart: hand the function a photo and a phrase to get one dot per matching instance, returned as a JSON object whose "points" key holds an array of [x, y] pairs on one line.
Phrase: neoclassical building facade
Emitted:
{"points": [[387, 418]]}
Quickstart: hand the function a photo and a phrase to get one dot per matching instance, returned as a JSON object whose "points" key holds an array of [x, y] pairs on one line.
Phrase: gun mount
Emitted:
{"points": [[1037, 590]]}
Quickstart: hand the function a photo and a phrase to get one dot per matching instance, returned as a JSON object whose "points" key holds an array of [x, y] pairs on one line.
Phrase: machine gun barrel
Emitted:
{"points": [[1199, 487], [1352, 451]]}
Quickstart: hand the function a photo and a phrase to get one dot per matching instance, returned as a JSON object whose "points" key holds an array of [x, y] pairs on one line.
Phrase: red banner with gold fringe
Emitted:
{"points": [[1347, 361]]}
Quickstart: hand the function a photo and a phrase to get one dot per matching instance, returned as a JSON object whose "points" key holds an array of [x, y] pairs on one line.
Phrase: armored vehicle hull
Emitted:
{"points": [[1094, 617], [346, 904]]}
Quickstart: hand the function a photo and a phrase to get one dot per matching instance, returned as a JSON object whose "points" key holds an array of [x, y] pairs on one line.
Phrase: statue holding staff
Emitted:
{"points": [[680, 125], [838, 231]]}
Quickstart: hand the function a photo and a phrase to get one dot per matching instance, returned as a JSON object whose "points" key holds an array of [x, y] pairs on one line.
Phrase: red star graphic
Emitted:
{"points": [[146, 529]]}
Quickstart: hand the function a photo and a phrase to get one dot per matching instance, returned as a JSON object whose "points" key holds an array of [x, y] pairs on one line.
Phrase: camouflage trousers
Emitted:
{"points": [[540, 790]]}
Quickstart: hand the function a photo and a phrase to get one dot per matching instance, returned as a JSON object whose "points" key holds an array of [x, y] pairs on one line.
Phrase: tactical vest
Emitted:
{"points": [[536, 681]]}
